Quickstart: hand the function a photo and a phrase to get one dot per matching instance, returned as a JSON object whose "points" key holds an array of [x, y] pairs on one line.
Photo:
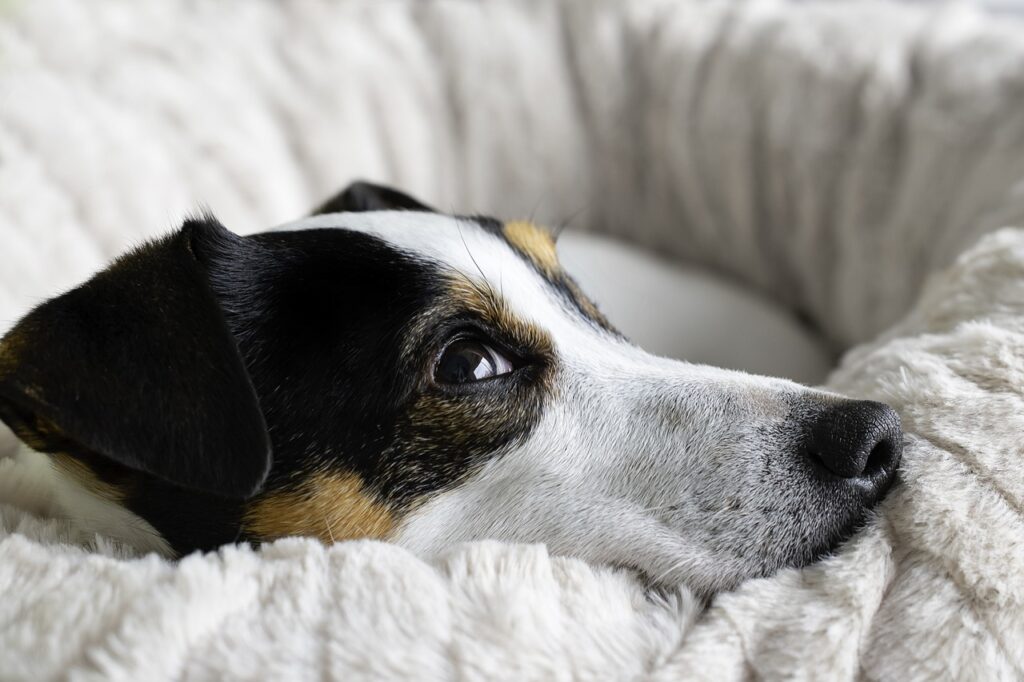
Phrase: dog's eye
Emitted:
{"points": [[465, 361]]}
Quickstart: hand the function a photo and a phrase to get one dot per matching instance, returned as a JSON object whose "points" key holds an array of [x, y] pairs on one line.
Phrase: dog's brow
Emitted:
{"points": [[481, 299]]}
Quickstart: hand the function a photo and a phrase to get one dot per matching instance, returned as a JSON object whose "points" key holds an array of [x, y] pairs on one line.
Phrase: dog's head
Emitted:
{"points": [[428, 379]]}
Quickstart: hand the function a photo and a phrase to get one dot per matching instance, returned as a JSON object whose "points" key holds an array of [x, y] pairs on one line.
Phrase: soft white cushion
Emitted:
{"points": [[685, 312]]}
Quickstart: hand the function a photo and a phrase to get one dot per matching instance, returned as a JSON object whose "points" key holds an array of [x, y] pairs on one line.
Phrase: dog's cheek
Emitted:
{"points": [[331, 506], [444, 439], [441, 441]]}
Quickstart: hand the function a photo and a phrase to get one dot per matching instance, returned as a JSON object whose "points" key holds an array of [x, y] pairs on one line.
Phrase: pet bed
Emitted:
{"points": [[840, 159]]}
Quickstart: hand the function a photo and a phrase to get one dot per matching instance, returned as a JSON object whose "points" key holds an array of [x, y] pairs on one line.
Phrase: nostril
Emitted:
{"points": [[880, 457], [855, 440]]}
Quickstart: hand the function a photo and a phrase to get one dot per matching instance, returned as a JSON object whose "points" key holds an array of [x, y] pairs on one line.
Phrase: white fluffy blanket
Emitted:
{"points": [[830, 166]]}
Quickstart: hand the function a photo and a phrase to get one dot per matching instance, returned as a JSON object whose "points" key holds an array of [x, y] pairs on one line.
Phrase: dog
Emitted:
{"points": [[382, 370]]}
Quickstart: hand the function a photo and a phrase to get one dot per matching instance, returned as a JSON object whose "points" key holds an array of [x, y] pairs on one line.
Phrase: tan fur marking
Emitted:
{"points": [[328, 506], [489, 305], [87, 478], [535, 242]]}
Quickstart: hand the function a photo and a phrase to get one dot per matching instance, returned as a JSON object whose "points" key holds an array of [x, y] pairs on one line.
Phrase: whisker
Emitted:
{"points": [[557, 232], [470, 253], [330, 528], [671, 569], [536, 205]]}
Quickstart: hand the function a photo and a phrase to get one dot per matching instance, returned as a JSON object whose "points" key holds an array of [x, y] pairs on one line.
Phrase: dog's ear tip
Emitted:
{"points": [[254, 455], [362, 195], [257, 483], [201, 218], [202, 234], [244, 480], [203, 224]]}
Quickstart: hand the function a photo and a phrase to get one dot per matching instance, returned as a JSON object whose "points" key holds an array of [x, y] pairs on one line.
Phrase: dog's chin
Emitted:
{"points": [[831, 538], [825, 542]]}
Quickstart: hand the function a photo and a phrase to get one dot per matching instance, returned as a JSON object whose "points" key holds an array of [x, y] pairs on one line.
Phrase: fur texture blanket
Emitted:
{"points": [[831, 167]]}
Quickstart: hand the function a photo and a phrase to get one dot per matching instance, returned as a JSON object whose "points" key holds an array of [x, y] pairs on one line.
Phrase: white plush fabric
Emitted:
{"points": [[830, 155]]}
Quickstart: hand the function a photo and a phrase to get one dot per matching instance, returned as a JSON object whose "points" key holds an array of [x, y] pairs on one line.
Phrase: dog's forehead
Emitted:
{"points": [[515, 259]]}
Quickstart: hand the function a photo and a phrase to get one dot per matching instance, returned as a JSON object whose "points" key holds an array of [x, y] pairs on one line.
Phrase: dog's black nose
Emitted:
{"points": [[857, 439]]}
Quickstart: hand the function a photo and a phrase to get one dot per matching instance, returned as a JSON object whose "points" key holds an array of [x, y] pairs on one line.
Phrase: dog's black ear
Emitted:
{"points": [[137, 365], [365, 196]]}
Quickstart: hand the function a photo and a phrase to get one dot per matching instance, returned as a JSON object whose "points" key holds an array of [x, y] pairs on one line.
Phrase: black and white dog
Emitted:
{"points": [[382, 370]]}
